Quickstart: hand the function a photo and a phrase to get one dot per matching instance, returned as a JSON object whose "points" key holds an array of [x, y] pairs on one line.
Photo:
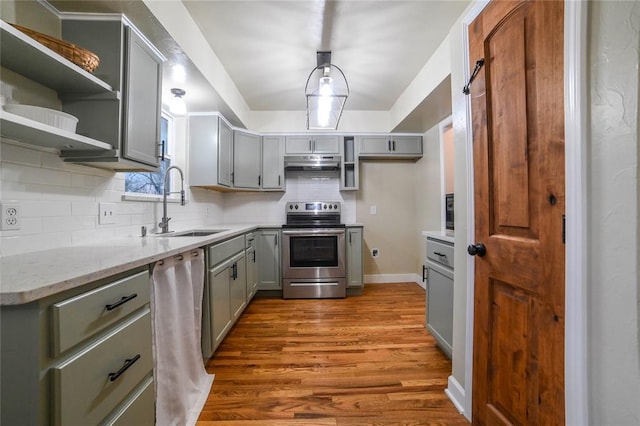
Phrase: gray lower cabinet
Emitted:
{"points": [[354, 260], [439, 280], [269, 260], [389, 146], [83, 356], [273, 163], [247, 154], [210, 151], [252, 265], [129, 120], [225, 294]]}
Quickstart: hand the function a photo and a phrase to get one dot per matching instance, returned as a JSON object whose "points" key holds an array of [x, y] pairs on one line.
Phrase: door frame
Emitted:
{"points": [[575, 89], [443, 127]]}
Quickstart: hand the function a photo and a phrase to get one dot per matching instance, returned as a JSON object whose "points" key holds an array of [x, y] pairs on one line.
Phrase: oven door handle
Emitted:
{"points": [[314, 232]]}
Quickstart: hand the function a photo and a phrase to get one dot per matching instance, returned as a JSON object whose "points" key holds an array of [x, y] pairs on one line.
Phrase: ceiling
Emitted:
{"points": [[268, 48]]}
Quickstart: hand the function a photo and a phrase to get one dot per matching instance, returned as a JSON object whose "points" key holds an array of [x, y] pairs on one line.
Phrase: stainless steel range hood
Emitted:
{"points": [[312, 162]]}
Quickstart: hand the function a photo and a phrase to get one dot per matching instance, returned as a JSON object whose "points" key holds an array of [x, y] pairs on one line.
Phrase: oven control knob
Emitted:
{"points": [[290, 206], [325, 206], [330, 206], [335, 206], [296, 207]]}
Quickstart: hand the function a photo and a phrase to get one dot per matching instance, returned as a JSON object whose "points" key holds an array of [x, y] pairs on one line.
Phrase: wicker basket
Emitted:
{"points": [[79, 56]]}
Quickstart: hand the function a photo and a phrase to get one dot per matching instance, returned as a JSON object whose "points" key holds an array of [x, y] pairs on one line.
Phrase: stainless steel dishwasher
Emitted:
{"points": [[439, 280]]}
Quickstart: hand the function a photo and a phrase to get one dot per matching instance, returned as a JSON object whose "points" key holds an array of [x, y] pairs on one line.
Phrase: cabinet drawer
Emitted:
{"points": [[440, 252], [225, 250], [138, 411], [82, 316], [250, 239], [84, 392]]}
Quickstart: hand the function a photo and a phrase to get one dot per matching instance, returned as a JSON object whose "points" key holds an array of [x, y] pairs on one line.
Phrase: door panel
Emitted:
{"points": [[518, 127]]}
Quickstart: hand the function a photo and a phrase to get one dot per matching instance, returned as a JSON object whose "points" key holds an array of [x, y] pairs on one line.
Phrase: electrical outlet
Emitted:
{"points": [[106, 213], [11, 218], [375, 252]]}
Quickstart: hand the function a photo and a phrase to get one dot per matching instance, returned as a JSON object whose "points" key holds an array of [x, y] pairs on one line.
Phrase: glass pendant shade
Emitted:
{"points": [[326, 91]]}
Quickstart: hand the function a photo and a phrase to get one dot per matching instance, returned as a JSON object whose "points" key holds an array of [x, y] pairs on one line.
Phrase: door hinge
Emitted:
{"points": [[564, 229]]}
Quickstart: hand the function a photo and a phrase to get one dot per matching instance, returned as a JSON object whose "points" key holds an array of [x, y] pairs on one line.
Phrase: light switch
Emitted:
{"points": [[373, 210]]}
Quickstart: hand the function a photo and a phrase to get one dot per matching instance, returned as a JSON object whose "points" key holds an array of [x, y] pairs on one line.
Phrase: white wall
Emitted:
{"points": [[612, 277], [427, 191]]}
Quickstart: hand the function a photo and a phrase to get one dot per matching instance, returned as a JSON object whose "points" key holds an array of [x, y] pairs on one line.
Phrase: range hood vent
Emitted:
{"points": [[312, 162]]}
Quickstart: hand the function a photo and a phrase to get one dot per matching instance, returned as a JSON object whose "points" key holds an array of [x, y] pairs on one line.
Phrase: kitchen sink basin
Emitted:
{"points": [[195, 233]]}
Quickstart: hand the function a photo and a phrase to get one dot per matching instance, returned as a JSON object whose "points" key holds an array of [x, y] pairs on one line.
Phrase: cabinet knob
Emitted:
{"points": [[477, 249]]}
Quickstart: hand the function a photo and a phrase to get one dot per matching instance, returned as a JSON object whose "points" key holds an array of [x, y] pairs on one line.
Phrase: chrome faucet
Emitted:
{"points": [[164, 223]]}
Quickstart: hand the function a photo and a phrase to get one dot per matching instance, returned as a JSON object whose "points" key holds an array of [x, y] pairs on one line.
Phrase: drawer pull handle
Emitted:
{"points": [[122, 301], [439, 254], [127, 363]]}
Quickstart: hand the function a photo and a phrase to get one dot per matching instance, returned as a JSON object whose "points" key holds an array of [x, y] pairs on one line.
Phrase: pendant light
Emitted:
{"points": [[326, 91]]}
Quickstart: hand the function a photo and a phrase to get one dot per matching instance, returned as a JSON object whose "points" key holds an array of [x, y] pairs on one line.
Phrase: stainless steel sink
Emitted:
{"points": [[194, 233]]}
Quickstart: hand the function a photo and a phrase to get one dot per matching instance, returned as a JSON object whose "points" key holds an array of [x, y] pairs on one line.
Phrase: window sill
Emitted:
{"points": [[149, 198]]}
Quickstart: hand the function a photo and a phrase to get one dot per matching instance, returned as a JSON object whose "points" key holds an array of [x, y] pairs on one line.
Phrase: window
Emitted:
{"points": [[150, 183]]}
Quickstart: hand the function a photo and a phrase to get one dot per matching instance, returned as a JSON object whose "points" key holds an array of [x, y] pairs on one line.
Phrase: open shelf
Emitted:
{"points": [[23, 55], [33, 132], [349, 170]]}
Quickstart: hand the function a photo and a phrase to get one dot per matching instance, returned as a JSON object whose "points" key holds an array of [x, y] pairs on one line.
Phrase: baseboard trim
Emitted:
{"points": [[393, 278], [455, 392]]}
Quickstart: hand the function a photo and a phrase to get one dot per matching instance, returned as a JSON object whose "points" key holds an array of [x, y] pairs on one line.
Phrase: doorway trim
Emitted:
{"points": [[575, 341], [443, 127]]}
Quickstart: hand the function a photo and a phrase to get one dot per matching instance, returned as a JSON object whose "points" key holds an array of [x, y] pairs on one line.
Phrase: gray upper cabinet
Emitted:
{"points": [[273, 163], [210, 151], [142, 101], [390, 146], [312, 144], [246, 160], [129, 119]]}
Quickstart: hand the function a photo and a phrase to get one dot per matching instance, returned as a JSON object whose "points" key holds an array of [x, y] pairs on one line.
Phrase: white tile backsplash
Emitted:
{"points": [[59, 202]]}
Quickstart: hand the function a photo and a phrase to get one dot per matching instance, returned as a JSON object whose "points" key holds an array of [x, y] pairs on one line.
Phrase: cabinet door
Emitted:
{"points": [[225, 154], [142, 101], [326, 145], [402, 145], [238, 286], [272, 162], [219, 302], [246, 160], [252, 273], [440, 307], [298, 145], [269, 260], [375, 145], [354, 257]]}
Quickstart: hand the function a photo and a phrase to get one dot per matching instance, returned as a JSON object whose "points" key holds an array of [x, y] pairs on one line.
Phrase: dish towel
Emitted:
{"points": [[181, 381]]}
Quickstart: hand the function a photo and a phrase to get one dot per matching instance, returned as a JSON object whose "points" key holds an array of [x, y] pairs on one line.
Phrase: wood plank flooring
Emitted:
{"points": [[363, 360]]}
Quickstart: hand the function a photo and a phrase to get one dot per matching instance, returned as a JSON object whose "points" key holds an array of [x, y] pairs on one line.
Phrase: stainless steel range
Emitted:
{"points": [[313, 247]]}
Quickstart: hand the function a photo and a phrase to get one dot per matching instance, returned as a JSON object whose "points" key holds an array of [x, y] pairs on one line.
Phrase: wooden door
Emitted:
{"points": [[518, 144]]}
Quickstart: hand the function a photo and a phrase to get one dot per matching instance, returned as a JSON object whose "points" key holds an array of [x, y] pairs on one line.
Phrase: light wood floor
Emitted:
{"points": [[362, 360]]}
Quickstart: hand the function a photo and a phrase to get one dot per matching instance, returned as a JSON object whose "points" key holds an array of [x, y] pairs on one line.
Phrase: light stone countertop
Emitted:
{"points": [[440, 235], [32, 276]]}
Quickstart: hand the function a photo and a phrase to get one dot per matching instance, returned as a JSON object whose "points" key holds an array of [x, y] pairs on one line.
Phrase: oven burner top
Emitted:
{"points": [[313, 214]]}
